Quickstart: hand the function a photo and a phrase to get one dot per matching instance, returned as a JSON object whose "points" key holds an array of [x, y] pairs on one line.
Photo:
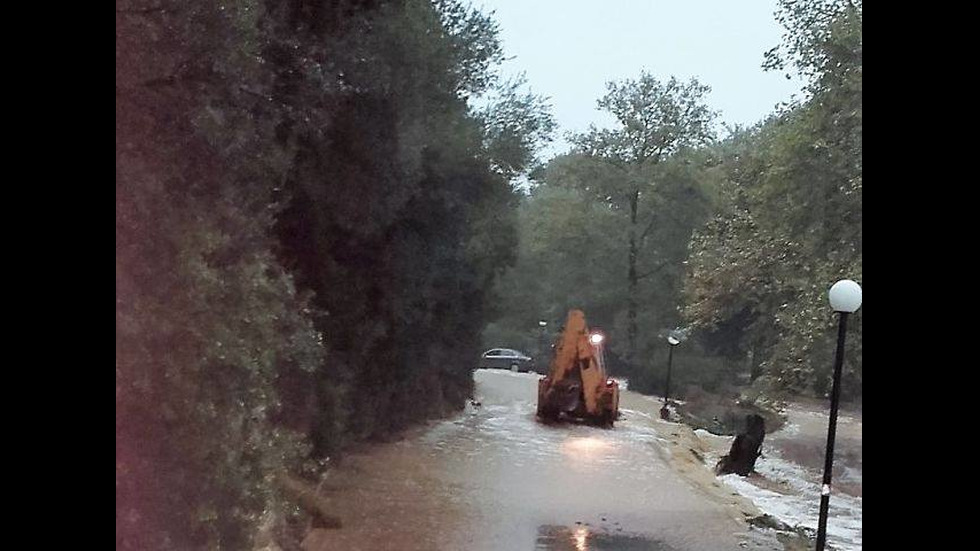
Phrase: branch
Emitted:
{"points": [[648, 228], [610, 160], [653, 271]]}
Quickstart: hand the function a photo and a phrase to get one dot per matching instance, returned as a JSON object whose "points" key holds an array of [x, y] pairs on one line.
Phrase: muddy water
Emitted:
{"points": [[495, 478]]}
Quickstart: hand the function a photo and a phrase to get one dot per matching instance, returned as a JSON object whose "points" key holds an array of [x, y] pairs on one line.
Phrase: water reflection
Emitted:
{"points": [[580, 538], [588, 447]]}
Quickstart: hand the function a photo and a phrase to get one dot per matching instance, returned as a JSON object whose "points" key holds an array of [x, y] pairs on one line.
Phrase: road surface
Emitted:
{"points": [[495, 478]]}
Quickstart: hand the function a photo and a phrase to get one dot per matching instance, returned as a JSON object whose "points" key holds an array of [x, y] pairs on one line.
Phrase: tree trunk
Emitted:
{"points": [[746, 448], [755, 363], [631, 310]]}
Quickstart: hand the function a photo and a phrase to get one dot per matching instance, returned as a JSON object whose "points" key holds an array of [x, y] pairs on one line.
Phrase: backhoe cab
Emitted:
{"points": [[577, 385]]}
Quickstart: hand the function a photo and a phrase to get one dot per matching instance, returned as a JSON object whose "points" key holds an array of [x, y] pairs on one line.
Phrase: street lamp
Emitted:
{"points": [[542, 351], [845, 299], [664, 412], [596, 339]]}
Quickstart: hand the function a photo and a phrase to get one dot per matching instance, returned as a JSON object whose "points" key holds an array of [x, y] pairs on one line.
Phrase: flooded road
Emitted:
{"points": [[495, 478]]}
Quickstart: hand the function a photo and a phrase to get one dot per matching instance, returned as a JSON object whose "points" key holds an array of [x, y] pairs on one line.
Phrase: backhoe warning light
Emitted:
{"points": [[596, 338]]}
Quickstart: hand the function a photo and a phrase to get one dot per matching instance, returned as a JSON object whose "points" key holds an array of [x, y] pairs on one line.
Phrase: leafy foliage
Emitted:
{"points": [[310, 217], [792, 225], [208, 324], [399, 218], [656, 120], [516, 124], [818, 33]]}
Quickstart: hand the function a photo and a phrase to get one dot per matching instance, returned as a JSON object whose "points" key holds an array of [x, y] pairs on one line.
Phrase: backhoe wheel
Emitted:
{"points": [[606, 419], [547, 414]]}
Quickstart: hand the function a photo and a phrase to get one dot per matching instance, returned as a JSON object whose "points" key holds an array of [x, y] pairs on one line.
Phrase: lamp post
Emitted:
{"points": [[664, 412], [845, 299], [542, 325], [597, 339]]}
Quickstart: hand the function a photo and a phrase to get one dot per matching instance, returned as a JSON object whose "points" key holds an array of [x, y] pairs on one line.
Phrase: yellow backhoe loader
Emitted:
{"points": [[577, 386]]}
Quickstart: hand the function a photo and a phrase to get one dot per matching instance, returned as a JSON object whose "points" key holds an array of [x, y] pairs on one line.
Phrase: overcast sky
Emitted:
{"points": [[569, 49]]}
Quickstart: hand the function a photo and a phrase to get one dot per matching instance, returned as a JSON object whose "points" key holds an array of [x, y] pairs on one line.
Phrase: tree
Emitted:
{"points": [[208, 324], [792, 222], [310, 218], [822, 41], [399, 211], [516, 125], [656, 121]]}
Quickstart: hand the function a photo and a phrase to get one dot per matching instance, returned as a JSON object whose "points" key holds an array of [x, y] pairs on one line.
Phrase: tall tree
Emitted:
{"points": [[655, 121]]}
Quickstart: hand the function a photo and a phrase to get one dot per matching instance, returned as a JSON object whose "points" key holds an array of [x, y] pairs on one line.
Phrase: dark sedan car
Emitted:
{"points": [[505, 358]]}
